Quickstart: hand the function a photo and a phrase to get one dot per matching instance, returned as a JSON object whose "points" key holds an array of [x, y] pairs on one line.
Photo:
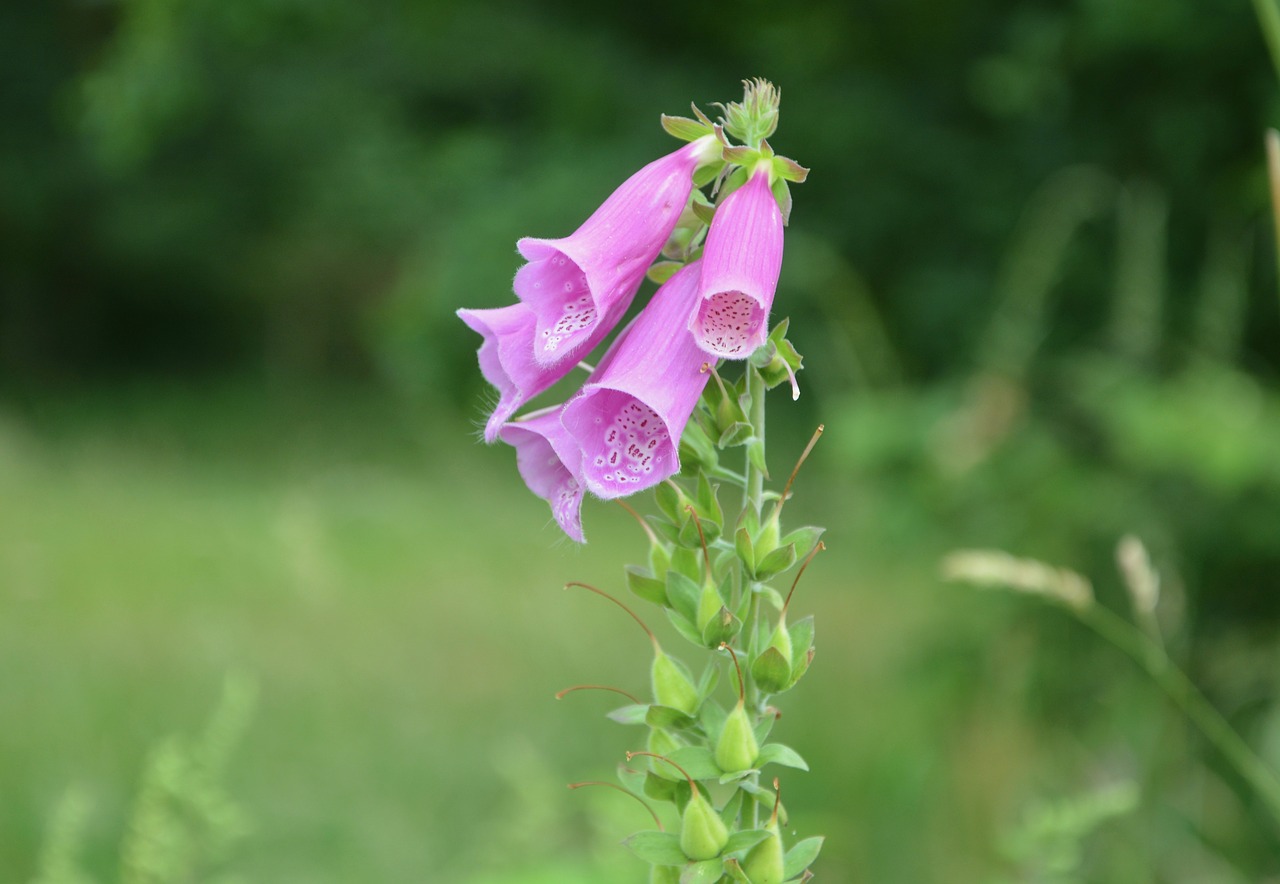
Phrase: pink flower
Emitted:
{"points": [[585, 281], [629, 416], [740, 265], [507, 360], [548, 459]]}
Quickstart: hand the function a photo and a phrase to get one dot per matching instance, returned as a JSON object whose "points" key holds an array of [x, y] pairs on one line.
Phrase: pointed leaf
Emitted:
{"points": [[683, 594], [687, 628], [776, 753], [712, 716], [666, 717], [632, 780], [804, 539], [771, 671], [746, 549], [687, 561], [763, 727], [710, 678], [645, 585], [633, 713], [685, 129], [801, 640], [745, 840], [720, 629], [706, 872], [776, 562], [661, 789], [657, 848], [801, 856], [738, 433], [698, 761]]}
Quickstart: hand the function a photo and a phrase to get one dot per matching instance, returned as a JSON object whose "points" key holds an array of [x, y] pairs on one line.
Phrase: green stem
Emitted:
{"points": [[1152, 658], [754, 501], [1269, 19]]}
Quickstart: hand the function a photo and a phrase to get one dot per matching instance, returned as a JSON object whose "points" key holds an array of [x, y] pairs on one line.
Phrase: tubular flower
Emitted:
{"points": [[548, 460], [629, 416], [740, 266], [506, 359], [584, 282]]}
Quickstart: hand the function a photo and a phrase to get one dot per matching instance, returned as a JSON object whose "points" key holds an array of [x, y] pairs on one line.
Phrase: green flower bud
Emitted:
{"points": [[709, 605], [737, 748], [672, 687], [766, 541], [702, 833], [764, 862]]}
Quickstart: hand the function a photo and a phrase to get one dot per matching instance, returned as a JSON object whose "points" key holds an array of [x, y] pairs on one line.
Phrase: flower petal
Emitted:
{"points": [[740, 265], [579, 282], [548, 460], [629, 417]]}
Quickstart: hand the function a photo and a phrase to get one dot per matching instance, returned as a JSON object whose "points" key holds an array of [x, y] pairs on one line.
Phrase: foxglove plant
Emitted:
{"points": [[657, 412]]}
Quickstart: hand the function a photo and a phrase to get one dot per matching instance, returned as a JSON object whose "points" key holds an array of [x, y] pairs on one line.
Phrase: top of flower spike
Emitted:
{"points": [[755, 118]]}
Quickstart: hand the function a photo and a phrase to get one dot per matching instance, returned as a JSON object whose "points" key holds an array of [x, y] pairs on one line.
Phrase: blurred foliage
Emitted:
{"points": [[310, 188]]}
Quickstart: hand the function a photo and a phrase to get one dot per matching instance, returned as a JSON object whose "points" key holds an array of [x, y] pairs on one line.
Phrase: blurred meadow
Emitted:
{"points": [[1033, 276]]}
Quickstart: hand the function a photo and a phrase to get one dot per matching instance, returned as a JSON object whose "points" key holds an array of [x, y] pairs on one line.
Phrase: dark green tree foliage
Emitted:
{"points": [[313, 187]]}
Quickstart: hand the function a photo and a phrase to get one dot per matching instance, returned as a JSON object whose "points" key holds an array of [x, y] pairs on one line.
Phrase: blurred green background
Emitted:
{"points": [[1033, 276]]}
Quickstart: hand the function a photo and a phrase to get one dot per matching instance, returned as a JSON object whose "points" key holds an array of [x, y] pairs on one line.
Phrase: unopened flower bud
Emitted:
{"points": [[671, 686], [764, 862], [737, 749], [702, 833]]}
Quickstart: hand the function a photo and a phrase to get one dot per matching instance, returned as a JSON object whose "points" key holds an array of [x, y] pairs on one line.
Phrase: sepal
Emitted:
{"points": [[685, 129]]}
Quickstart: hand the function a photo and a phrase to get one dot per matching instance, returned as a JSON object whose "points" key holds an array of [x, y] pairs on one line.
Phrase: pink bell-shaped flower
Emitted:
{"points": [[741, 261], [585, 281], [548, 459], [507, 361], [629, 416]]}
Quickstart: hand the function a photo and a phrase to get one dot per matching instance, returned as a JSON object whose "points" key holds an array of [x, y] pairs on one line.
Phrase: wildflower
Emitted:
{"points": [[584, 282], [740, 266], [507, 362], [629, 416], [548, 460]]}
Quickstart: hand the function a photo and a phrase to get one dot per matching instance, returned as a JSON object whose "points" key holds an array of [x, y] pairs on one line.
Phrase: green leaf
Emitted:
{"points": [[745, 840], [708, 504], [706, 174], [771, 672], [657, 848], [762, 729], [770, 595], [801, 856], [685, 129], [661, 789], [703, 211], [712, 716], [746, 549], [698, 761], [733, 869], [687, 628], [776, 562], [632, 780], [671, 500], [776, 753], [706, 872], [801, 641], [663, 270], [737, 775], [710, 678], [683, 594], [665, 717], [645, 585], [804, 539], [737, 433], [688, 562], [633, 713], [720, 629]]}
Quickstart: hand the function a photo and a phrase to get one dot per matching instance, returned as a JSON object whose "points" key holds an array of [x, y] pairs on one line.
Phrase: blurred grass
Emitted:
{"points": [[396, 592]]}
